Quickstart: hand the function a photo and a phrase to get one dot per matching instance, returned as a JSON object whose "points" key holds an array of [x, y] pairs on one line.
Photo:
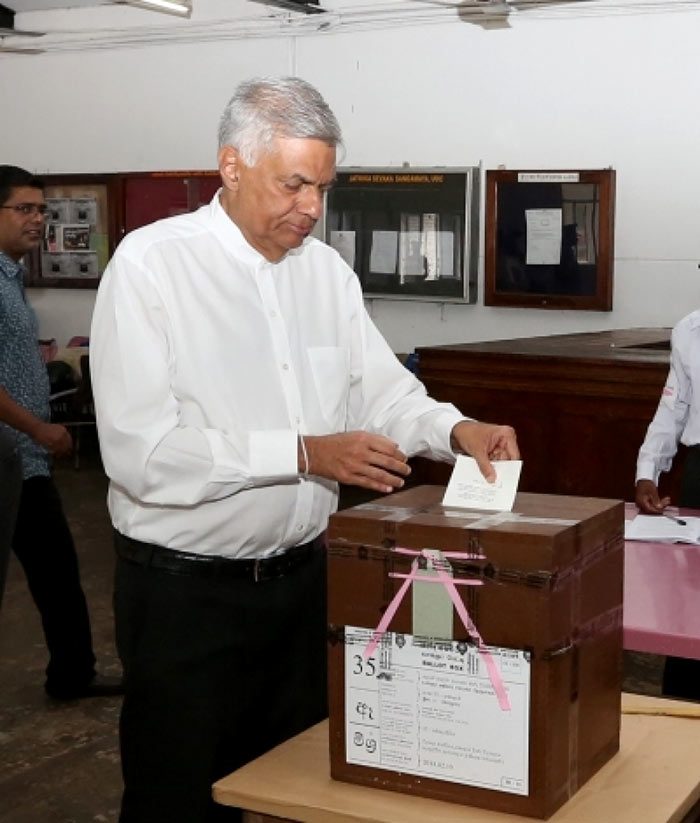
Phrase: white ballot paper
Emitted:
{"points": [[468, 489]]}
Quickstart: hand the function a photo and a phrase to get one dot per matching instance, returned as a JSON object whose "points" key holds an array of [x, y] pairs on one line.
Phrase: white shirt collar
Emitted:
{"points": [[233, 237]]}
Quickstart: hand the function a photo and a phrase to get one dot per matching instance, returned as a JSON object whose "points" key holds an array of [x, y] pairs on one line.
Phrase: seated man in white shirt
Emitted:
{"points": [[677, 419], [238, 380]]}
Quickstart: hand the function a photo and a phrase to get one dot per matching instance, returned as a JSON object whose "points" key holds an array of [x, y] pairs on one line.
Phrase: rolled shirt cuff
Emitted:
{"points": [[273, 454]]}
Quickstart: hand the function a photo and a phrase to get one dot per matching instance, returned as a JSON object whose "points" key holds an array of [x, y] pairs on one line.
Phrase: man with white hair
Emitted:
{"points": [[238, 380]]}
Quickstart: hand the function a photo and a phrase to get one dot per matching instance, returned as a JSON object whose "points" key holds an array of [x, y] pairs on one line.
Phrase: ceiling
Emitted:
{"points": [[485, 13], [50, 5]]}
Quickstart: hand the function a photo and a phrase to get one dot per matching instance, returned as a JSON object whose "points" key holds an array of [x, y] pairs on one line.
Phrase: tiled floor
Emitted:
{"points": [[59, 762]]}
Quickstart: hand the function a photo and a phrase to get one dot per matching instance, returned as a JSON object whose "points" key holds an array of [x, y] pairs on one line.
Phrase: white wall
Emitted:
{"points": [[616, 85]]}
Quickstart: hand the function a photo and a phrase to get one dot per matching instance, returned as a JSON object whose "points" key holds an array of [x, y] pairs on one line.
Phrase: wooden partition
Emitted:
{"points": [[580, 404]]}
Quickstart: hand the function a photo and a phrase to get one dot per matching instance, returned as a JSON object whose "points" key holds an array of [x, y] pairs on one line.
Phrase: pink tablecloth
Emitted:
{"points": [[661, 596]]}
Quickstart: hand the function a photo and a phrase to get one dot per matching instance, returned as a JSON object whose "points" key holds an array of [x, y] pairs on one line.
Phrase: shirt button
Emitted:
{"points": [[273, 314], [300, 528], [285, 366]]}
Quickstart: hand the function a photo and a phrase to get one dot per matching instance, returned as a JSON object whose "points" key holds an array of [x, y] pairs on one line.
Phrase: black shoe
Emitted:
{"points": [[101, 685]]}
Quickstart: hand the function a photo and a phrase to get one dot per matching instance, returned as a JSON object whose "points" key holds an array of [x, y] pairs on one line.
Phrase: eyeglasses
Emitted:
{"points": [[26, 209]]}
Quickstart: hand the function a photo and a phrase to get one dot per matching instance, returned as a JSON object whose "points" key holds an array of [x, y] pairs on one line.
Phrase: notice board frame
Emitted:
{"points": [[123, 201], [87, 201], [549, 238], [385, 220]]}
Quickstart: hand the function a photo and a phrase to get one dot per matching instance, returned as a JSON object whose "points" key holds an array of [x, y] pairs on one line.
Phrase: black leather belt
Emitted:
{"points": [[202, 565]]}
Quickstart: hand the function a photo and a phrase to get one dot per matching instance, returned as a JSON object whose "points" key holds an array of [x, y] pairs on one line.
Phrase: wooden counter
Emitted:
{"points": [[580, 403]]}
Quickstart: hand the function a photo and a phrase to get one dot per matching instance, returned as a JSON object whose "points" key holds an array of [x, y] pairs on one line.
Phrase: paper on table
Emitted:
{"points": [[660, 529], [467, 488]]}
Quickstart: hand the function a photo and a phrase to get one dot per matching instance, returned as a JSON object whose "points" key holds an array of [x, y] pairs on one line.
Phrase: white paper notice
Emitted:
{"points": [[411, 262], [446, 254], [382, 257], [344, 243], [468, 489], [429, 246], [83, 210], [543, 237], [427, 707]]}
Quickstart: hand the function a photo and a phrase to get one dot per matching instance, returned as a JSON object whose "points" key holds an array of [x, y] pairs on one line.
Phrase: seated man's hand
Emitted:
{"points": [[358, 459], [647, 498], [485, 442]]}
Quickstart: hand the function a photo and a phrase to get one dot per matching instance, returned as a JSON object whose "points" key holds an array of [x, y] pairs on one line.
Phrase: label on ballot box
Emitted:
{"points": [[428, 707]]}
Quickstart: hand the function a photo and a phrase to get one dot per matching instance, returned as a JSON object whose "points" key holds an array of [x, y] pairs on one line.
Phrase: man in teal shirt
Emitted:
{"points": [[42, 540]]}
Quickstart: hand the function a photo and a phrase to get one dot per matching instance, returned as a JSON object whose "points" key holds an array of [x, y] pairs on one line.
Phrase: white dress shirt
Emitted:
{"points": [[207, 361], [678, 415]]}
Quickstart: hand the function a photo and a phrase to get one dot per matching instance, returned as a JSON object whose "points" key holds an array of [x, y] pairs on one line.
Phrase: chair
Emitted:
{"points": [[71, 400]]}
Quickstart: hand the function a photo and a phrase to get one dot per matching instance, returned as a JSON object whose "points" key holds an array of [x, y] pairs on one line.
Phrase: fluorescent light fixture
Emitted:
{"points": [[182, 8], [305, 6], [17, 49]]}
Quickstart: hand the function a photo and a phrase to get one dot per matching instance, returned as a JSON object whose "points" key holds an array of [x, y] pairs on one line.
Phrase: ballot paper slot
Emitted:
{"points": [[656, 345]]}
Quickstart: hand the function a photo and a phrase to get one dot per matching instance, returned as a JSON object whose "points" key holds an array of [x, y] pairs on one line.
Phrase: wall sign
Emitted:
{"points": [[549, 239]]}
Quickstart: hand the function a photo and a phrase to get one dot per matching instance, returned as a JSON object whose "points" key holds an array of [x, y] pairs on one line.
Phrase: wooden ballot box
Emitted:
{"points": [[475, 657]]}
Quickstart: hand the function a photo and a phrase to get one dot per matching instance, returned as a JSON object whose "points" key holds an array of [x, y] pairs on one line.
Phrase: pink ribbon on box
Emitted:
{"points": [[450, 585]]}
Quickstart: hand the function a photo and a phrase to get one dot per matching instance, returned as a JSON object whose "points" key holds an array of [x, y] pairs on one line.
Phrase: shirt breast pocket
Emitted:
{"points": [[330, 367]]}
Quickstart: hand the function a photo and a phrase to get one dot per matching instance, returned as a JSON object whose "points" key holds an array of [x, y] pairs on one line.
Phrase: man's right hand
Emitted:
{"points": [[647, 498], [371, 461], [54, 438]]}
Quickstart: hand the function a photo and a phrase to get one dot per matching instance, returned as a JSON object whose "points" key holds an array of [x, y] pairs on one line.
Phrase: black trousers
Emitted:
{"points": [[690, 479], [10, 490], [44, 546], [681, 677], [217, 670]]}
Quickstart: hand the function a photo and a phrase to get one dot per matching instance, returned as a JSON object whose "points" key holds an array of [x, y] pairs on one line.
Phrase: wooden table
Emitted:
{"points": [[661, 591], [655, 778]]}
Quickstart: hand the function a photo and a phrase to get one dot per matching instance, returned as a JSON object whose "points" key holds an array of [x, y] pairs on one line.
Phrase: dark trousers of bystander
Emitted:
{"points": [[681, 677], [44, 546], [218, 669], [10, 490]]}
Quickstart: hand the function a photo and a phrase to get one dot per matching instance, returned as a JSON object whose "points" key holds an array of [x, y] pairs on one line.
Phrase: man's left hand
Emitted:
{"points": [[485, 442]]}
